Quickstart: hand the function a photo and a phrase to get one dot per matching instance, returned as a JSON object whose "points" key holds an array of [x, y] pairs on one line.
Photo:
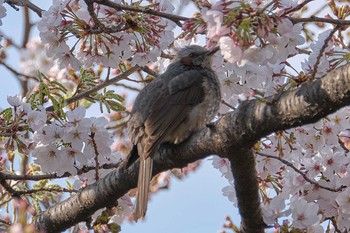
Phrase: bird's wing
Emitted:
{"points": [[172, 107]]}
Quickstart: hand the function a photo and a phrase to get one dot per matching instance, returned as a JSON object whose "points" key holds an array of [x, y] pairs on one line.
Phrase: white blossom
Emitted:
{"points": [[305, 214]]}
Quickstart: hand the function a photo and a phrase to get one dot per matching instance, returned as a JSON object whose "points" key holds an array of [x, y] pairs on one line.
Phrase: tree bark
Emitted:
{"points": [[234, 131], [247, 190]]}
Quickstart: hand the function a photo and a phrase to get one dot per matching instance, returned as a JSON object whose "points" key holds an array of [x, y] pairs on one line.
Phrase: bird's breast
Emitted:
{"points": [[202, 113]]}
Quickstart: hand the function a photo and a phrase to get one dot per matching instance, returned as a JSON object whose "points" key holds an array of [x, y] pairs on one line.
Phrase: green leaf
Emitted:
{"points": [[6, 113]]}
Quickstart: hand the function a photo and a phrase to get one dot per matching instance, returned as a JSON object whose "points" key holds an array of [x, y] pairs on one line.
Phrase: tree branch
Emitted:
{"points": [[247, 190], [234, 131], [16, 73], [175, 18], [99, 87], [298, 7], [289, 164], [26, 3], [321, 52], [313, 19]]}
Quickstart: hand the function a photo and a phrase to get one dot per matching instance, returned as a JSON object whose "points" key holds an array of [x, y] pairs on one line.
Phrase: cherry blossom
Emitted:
{"points": [[274, 209], [230, 192], [50, 159], [305, 214], [343, 201], [231, 52], [49, 134], [76, 115], [215, 25], [124, 209], [224, 167], [93, 49], [309, 65], [36, 119], [14, 101], [305, 179]]}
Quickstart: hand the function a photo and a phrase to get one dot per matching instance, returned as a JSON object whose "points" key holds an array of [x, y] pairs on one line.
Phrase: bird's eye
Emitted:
{"points": [[192, 55]]}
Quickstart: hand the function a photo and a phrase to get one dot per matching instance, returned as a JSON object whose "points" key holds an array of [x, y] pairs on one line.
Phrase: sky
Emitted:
{"points": [[194, 204]]}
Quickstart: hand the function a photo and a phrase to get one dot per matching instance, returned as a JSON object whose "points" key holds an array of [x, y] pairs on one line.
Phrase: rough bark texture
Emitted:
{"points": [[233, 132], [247, 190]]}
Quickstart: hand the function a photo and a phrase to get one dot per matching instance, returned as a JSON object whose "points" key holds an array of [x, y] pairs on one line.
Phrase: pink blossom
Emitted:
{"points": [[15, 100], [224, 167], [274, 209], [76, 115], [230, 192], [304, 214], [232, 53], [124, 209], [343, 200], [76, 136], [215, 27], [49, 159], [36, 119]]}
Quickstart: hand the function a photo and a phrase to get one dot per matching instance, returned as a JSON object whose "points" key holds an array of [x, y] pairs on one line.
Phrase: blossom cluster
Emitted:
{"points": [[64, 148], [256, 59], [257, 50], [108, 38], [224, 167], [33, 59], [320, 189], [304, 172], [65, 145]]}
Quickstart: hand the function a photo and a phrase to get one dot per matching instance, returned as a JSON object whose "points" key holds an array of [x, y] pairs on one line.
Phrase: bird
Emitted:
{"points": [[179, 102]]}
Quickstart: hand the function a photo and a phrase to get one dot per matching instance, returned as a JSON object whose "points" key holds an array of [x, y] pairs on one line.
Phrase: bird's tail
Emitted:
{"points": [[145, 176]]}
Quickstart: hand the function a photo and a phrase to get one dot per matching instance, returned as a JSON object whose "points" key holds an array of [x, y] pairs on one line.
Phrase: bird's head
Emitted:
{"points": [[195, 55]]}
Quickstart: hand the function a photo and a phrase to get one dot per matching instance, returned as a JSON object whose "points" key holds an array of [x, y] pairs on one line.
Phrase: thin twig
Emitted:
{"points": [[97, 163], [175, 18], [313, 19], [126, 86], [324, 46], [301, 173], [27, 26], [8, 188], [84, 169], [298, 7], [26, 3], [227, 104], [335, 225], [99, 27], [118, 123], [9, 40], [16, 73], [60, 190], [267, 6], [7, 176], [147, 70], [99, 87]]}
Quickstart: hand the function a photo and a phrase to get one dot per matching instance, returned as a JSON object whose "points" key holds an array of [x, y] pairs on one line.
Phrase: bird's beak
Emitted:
{"points": [[213, 51]]}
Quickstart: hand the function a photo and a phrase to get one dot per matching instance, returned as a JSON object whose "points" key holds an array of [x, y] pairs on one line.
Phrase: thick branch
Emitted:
{"points": [[247, 190], [233, 132]]}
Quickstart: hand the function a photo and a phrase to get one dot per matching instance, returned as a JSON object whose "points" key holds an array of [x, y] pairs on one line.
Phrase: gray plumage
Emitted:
{"points": [[171, 108]]}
